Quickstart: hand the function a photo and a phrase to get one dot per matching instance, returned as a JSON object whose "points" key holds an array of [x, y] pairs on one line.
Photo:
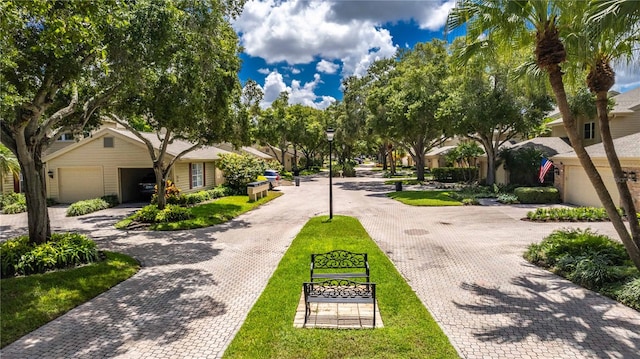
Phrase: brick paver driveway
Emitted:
{"points": [[196, 287]]}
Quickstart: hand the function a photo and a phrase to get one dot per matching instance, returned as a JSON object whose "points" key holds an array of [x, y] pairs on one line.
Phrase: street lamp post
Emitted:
{"points": [[330, 133]]}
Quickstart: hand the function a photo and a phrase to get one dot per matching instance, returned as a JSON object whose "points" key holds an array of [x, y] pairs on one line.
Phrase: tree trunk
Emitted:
{"points": [[36, 198], [623, 189], [29, 156], [491, 161], [161, 186], [418, 158], [557, 85]]}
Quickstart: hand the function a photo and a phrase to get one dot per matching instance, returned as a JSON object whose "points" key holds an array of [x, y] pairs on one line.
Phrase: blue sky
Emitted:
{"points": [[307, 47]]}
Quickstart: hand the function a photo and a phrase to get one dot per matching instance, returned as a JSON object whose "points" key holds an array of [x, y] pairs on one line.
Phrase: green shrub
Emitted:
{"points": [[173, 213], [455, 174], [537, 195], [11, 198], [630, 294], [470, 201], [594, 271], [594, 261], [12, 203], [574, 243], [201, 196], [146, 214], [239, 170], [508, 198], [18, 257], [587, 214], [87, 206], [348, 170], [111, 199], [18, 207]]}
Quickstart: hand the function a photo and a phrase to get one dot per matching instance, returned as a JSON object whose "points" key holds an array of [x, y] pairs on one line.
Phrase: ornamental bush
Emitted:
{"points": [[239, 170], [591, 260], [537, 195], [64, 250], [454, 174], [584, 214], [171, 213], [87, 206], [12, 203]]}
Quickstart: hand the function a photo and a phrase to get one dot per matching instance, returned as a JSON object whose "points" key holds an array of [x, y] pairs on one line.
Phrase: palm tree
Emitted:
{"points": [[544, 24], [9, 164]]}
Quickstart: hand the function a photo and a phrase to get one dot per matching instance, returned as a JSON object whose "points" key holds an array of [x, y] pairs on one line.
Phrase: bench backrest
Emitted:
{"points": [[339, 259], [340, 288]]}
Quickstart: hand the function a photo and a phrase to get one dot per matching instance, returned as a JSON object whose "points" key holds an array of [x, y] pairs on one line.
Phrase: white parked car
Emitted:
{"points": [[274, 178]]}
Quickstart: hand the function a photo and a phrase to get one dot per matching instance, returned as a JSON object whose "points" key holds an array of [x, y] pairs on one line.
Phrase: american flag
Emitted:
{"points": [[545, 166]]}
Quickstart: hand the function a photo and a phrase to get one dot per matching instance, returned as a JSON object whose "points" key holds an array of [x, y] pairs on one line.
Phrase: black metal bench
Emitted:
{"points": [[333, 264], [338, 290]]}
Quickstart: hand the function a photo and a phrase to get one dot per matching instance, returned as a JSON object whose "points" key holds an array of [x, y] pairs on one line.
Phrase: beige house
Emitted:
{"points": [[574, 185], [246, 150], [112, 162], [624, 120], [276, 154]]}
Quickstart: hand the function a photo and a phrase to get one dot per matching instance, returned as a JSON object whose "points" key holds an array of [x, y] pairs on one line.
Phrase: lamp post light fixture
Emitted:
{"points": [[330, 134]]}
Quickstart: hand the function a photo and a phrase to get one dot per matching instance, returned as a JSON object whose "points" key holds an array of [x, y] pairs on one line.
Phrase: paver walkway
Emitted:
{"points": [[196, 287]]}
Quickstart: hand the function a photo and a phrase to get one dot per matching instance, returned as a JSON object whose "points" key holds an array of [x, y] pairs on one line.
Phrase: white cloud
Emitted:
{"points": [[627, 76], [430, 15], [298, 32], [327, 67], [298, 93], [264, 71]]}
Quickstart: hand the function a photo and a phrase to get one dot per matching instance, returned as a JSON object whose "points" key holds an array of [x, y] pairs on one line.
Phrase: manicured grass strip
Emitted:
{"points": [[409, 330], [209, 214], [425, 198], [32, 301]]}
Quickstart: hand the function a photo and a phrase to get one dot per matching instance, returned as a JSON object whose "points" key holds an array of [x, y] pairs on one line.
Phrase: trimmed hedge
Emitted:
{"points": [[454, 174], [537, 195], [171, 213], [201, 196], [584, 214], [19, 257]]}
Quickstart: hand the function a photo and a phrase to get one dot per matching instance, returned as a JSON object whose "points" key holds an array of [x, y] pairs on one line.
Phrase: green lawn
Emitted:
{"points": [[409, 330], [209, 214], [32, 301], [425, 198]]}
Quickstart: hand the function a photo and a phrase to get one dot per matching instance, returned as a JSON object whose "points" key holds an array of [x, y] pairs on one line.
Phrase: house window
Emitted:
{"points": [[197, 175], [66, 137], [108, 142], [589, 130]]}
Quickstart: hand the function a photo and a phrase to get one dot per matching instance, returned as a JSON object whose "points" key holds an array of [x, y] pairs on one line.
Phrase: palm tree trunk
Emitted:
{"points": [[557, 85], [623, 189]]}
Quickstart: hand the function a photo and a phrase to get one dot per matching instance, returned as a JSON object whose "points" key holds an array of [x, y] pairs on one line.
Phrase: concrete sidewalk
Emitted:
{"points": [[465, 263]]}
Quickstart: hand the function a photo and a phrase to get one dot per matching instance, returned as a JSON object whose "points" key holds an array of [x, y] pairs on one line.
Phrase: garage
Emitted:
{"points": [[129, 179], [80, 183], [579, 190]]}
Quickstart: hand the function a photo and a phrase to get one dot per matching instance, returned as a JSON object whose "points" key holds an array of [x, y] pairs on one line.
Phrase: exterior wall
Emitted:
{"points": [[558, 179], [623, 125], [558, 131], [634, 186], [6, 184], [123, 154], [212, 176]]}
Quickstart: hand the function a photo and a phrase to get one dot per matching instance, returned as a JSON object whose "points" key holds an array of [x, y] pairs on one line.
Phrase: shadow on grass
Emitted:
{"points": [[158, 308], [579, 319]]}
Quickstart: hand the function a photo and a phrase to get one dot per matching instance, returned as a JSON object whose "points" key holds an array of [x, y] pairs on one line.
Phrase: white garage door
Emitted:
{"points": [[579, 190], [80, 183]]}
